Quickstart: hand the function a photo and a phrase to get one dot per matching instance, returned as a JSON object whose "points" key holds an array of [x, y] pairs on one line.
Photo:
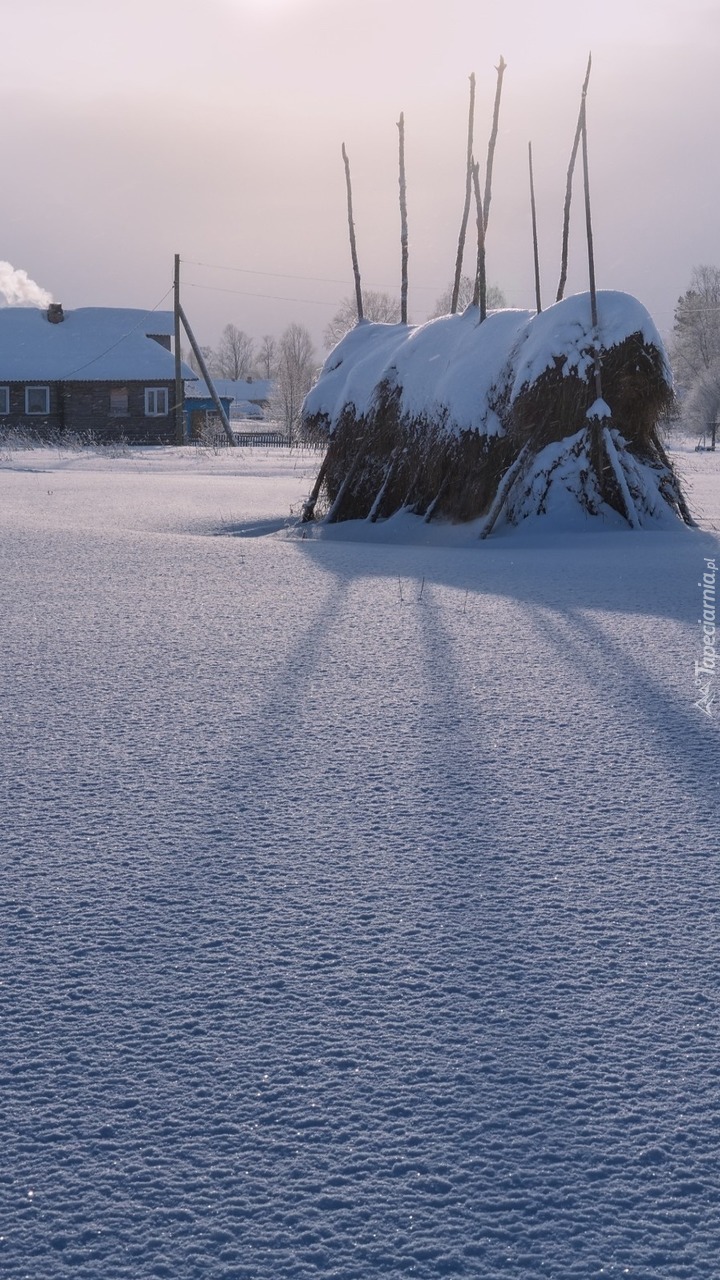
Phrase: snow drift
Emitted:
{"points": [[502, 419]]}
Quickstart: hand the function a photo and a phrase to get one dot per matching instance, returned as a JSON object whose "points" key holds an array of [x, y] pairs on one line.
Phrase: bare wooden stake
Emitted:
{"points": [[308, 511], [591, 254], [353, 245], [493, 139], [631, 514], [387, 476], [333, 513], [568, 188], [480, 290], [433, 505], [403, 223], [536, 256], [466, 206], [503, 490]]}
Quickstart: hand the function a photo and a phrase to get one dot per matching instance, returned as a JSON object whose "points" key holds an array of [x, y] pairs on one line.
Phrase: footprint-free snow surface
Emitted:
{"points": [[360, 892]]}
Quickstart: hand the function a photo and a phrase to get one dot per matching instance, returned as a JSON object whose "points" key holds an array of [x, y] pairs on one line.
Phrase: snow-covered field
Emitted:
{"points": [[360, 893]]}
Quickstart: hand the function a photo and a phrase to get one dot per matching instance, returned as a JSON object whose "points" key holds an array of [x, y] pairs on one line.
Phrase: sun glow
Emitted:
{"points": [[268, 7]]}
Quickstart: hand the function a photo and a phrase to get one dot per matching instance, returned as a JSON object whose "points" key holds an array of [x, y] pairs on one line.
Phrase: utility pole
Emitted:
{"points": [[206, 375], [179, 396]]}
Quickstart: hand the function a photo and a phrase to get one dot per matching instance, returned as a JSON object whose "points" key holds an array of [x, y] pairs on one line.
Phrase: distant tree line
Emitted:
{"points": [[383, 308], [289, 363]]}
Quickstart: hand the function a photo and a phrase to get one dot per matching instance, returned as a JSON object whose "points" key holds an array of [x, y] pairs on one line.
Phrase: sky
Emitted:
{"points": [[136, 130]]}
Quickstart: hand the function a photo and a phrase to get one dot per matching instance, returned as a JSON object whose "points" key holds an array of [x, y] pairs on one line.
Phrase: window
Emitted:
{"points": [[118, 402], [37, 399], [156, 402], [4, 400]]}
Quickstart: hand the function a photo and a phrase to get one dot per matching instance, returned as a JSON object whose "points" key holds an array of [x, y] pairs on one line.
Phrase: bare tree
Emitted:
{"points": [[294, 375], [234, 357], [267, 356], [495, 298], [190, 358], [377, 306]]}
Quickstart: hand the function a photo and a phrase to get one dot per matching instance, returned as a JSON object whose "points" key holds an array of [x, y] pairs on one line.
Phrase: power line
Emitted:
{"points": [[279, 275], [274, 297]]}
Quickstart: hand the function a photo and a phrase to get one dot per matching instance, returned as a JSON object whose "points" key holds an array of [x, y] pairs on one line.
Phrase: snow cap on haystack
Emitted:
{"points": [[446, 371], [563, 336]]}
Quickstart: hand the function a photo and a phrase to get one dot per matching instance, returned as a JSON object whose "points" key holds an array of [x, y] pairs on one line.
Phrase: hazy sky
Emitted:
{"points": [[136, 129]]}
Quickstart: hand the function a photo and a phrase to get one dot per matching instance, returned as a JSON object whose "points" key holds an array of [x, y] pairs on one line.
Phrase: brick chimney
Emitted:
{"points": [[55, 313]]}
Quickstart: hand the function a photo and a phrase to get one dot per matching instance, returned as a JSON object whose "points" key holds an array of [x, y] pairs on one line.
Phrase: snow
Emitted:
{"points": [[450, 369], [457, 371], [354, 368], [91, 343], [599, 409], [563, 332], [360, 892]]}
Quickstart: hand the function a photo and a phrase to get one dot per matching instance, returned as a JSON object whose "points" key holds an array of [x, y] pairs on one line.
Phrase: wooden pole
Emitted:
{"points": [[568, 188], [591, 255], [503, 490], [332, 514], [204, 371], [480, 290], [179, 396], [536, 256], [493, 139], [308, 511], [353, 244], [466, 206], [403, 223], [387, 476]]}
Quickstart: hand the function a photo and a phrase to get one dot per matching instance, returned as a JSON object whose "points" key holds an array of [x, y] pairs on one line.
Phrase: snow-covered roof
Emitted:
{"points": [[246, 409], [90, 344], [259, 389]]}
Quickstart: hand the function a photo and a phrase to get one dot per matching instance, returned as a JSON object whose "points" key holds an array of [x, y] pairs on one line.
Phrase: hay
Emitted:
{"points": [[434, 421], [635, 386], [388, 462]]}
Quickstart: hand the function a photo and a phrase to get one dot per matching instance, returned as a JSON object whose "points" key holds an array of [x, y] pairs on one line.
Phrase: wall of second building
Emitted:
{"points": [[97, 409], [94, 411]]}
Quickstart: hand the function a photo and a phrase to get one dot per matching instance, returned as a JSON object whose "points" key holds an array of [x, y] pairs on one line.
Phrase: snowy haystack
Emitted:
{"points": [[459, 419]]}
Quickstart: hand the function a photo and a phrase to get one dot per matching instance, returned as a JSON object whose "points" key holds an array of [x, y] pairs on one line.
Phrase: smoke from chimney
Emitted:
{"points": [[19, 290]]}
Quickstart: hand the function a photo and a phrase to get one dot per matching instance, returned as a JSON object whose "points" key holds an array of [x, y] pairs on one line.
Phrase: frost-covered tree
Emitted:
{"points": [[701, 406], [695, 351], [695, 345], [495, 298], [295, 372], [235, 355], [377, 306]]}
